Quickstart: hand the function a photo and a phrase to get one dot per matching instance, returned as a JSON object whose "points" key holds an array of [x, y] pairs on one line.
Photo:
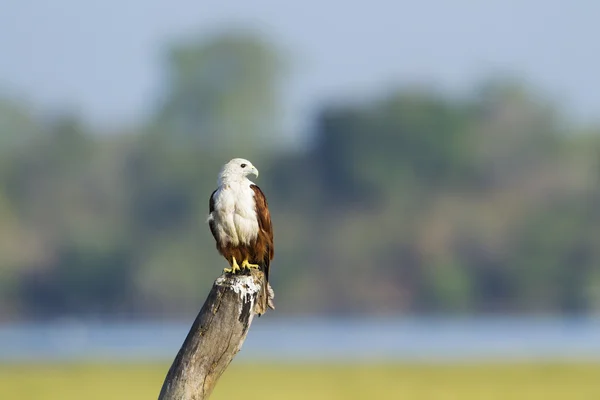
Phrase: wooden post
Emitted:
{"points": [[216, 336]]}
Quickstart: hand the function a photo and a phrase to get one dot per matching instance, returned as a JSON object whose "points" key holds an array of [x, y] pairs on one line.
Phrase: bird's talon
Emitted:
{"points": [[246, 264], [234, 267]]}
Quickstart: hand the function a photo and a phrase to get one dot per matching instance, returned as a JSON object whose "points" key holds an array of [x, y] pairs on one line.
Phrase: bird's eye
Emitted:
{"points": [[243, 165]]}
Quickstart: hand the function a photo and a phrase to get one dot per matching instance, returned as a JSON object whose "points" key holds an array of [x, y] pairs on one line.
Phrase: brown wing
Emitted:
{"points": [[264, 223], [211, 208]]}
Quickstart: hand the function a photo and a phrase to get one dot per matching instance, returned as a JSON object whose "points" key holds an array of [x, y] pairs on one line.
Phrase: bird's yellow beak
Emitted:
{"points": [[255, 171]]}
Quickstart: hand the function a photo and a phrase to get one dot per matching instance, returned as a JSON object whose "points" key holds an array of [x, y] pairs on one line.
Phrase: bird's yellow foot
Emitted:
{"points": [[246, 264], [234, 267]]}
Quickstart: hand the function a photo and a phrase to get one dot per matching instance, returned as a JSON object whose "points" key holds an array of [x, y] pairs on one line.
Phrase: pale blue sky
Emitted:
{"points": [[104, 57]]}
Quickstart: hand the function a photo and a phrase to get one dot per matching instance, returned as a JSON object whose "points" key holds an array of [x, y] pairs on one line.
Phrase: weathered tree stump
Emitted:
{"points": [[216, 336]]}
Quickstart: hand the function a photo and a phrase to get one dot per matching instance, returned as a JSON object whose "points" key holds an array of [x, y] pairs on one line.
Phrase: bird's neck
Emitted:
{"points": [[227, 180]]}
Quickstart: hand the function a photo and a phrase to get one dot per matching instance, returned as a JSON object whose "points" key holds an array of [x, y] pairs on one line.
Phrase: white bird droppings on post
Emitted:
{"points": [[243, 285]]}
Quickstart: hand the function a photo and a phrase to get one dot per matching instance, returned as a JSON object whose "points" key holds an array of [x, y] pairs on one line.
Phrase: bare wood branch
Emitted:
{"points": [[216, 336]]}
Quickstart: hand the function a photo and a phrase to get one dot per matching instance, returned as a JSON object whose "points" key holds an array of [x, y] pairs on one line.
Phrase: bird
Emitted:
{"points": [[240, 221]]}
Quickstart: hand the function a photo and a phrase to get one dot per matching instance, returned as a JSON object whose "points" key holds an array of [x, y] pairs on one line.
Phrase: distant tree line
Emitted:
{"points": [[414, 202]]}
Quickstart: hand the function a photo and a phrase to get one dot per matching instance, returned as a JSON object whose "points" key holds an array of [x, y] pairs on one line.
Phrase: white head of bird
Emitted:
{"points": [[237, 171]]}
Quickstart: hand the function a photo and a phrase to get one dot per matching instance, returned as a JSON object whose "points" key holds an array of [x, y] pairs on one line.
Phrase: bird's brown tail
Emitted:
{"points": [[266, 295]]}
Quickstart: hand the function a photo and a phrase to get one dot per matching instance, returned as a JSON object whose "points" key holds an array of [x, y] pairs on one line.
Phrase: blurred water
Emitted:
{"points": [[312, 339]]}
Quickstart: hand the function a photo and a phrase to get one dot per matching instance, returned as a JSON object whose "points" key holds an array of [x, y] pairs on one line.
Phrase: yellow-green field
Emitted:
{"points": [[313, 382]]}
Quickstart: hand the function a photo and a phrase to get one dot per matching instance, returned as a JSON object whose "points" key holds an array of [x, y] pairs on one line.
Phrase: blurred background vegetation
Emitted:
{"points": [[412, 200], [432, 168]]}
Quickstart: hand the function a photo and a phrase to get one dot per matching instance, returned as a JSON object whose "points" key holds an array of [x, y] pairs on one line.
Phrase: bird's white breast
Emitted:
{"points": [[235, 213]]}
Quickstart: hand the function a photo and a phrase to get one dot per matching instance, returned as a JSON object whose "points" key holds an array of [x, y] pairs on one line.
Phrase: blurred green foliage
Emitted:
{"points": [[415, 202], [485, 380]]}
